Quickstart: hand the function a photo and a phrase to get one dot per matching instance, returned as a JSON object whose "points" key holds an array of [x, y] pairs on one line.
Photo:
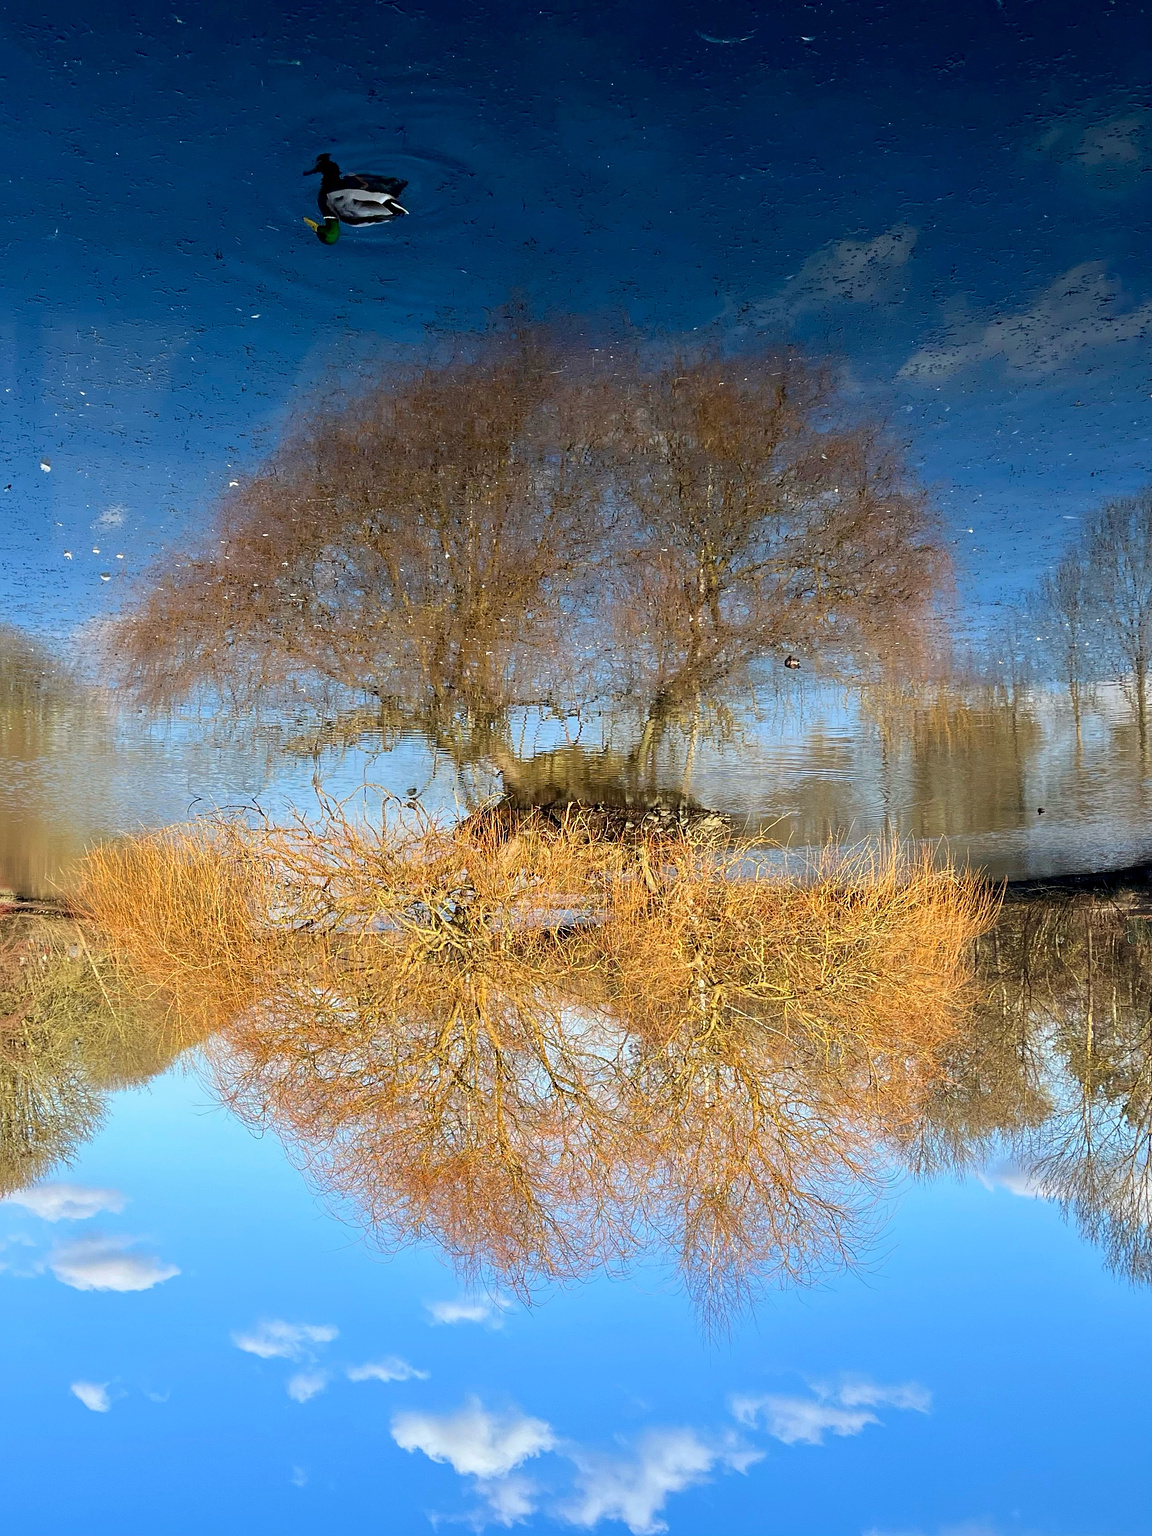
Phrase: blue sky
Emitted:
{"points": [[197, 1341], [955, 201]]}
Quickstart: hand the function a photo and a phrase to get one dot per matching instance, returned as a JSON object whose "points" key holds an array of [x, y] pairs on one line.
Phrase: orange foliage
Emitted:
{"points": [[548, 1049]]}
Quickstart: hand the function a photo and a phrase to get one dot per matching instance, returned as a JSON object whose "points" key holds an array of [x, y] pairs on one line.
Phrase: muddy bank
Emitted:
{"points": [[1129, 888]]}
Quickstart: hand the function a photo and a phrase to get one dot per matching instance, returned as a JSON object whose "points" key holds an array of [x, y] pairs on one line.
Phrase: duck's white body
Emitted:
{"points": [[359, 205]]}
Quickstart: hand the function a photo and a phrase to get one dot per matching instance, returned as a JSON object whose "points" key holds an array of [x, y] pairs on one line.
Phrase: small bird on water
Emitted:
{"points": [[791, 662], [354, 199]]}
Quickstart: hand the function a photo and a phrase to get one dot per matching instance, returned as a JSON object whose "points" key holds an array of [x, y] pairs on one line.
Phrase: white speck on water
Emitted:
{"points": [[45, 466]]}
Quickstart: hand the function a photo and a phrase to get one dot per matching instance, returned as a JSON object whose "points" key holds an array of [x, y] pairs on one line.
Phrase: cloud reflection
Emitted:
{"points": [[278, 1340], [841, 1410], [634, 1487], [67, 1202], [99, 1263], [92, 1394]]}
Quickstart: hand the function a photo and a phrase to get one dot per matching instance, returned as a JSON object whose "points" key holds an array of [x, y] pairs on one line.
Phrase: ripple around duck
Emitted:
{"points": [[396, 276]]}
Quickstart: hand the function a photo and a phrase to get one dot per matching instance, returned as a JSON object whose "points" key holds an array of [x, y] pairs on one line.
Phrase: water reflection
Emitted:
{"points": [[535, 522], [731, 1077], [71, 1035], [45, 717], [1055, 1071]]}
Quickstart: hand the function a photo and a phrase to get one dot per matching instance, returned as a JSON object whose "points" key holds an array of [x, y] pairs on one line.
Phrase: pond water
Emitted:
{"points": [[1014, 790], [224, 1302]]}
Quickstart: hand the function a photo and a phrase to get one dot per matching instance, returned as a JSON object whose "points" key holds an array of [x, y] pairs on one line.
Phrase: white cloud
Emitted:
{"points": [[1084, 308], [67, 1202], [839, 1410], [21, 1265], [634, 1488], [306, 1384], [1018, 1181], [93, 1394], [391, 1368], [463, 1311], [509, 1499], [278, 1340], [801, 1420], [98, 1263], [849, 271], [859, 1392], [474, 1442]]}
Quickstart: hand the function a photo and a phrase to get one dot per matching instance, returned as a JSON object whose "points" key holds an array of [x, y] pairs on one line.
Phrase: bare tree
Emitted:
{"points": [[1064, 615], [1117, 548], [420, 541], [759, 519], [526, 523]]}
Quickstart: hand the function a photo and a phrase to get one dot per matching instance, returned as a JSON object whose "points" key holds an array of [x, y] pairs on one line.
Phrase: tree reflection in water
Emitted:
{"points": [[555, 1045], [551, 1065], [1054, 1070], [550, 1049], [531, 524], [72, 1032]]}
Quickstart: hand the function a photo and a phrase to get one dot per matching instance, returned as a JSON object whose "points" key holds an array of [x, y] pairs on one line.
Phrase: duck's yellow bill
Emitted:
{"points": [[312, 224]]}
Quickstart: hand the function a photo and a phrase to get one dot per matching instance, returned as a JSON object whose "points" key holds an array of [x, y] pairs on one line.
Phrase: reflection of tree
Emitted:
{"points": [[1055, 1068], [551, 1050], [961, 757], [419, 543], [44, 715], [754, 520], [1063, 611], [68, 1039], [1093, 613], [529, 525]]}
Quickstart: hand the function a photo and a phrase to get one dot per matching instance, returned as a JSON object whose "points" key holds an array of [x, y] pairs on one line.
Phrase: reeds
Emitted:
{"points": [[548, 1049]]}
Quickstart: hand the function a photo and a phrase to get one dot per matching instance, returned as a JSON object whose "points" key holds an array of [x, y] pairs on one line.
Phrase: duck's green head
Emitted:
{"points": [[328, 232]]}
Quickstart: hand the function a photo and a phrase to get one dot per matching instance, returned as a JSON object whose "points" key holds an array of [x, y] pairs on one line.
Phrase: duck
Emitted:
{"points": [[353, 199]]}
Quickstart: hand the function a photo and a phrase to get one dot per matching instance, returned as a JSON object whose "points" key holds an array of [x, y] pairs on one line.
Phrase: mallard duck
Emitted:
{"points": [[355, 199]]}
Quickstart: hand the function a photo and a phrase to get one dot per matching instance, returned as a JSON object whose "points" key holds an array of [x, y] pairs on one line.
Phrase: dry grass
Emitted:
{"points": [[548, 1049]]}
